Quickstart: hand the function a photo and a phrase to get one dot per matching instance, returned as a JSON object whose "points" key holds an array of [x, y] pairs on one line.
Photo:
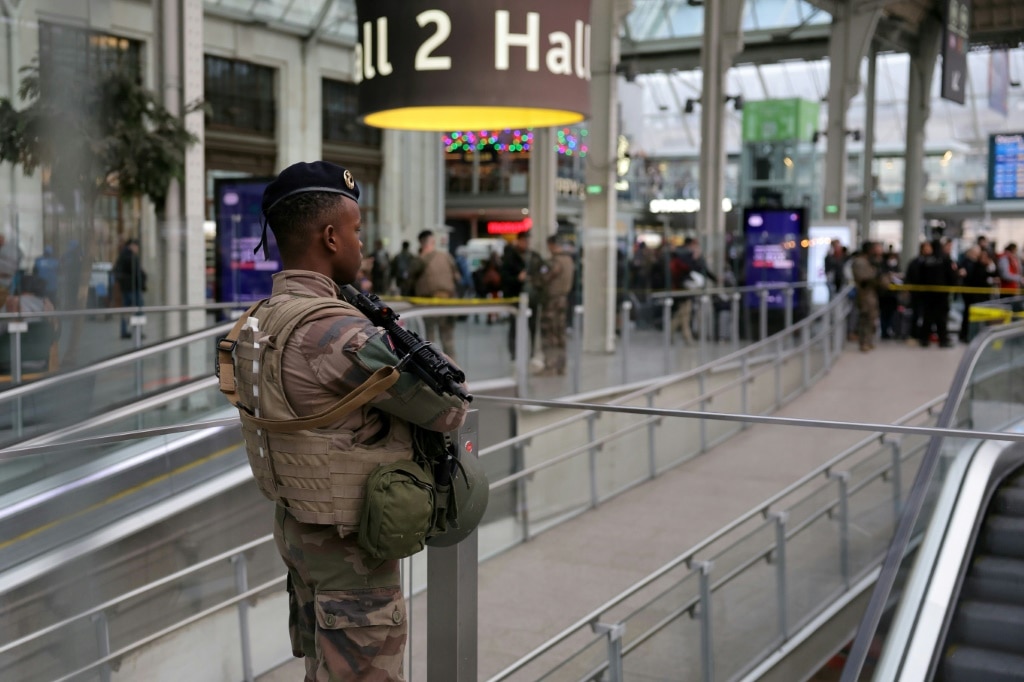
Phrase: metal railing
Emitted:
{"points": [[786, 365]]}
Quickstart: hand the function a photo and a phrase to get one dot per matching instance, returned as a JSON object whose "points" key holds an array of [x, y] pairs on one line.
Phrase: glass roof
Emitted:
{"points": [[660, 127], [663, 19], [328, 19]]}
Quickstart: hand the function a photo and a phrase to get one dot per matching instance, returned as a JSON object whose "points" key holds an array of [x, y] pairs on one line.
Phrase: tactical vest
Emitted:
{"points": [[318, 474]]}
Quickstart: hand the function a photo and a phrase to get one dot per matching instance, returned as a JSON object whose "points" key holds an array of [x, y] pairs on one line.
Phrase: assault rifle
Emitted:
{"points": [[430, 366]]}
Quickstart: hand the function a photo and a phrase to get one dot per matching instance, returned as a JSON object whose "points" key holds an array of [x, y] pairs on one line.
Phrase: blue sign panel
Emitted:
{"points": [[775, 252], [1006, 166], [243, 276]]}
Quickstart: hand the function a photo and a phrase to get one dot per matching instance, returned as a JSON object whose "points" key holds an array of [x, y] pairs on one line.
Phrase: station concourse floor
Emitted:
{"points": [[577, 566]]}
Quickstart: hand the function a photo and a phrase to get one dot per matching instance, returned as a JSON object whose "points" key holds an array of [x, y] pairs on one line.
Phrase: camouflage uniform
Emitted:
{"points": [[867, 276], [347, 612], [557, 283]]}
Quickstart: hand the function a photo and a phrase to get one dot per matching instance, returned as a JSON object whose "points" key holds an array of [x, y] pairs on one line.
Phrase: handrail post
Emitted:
{"points": [[242, 586], [702, 332], [781, 517], [896, 444], [734, 320], [707, 649], [843, 477], [702, 423], [522, 344], [614, 633], [666, 333], [745, 389], [788, 311], [577, 342], [651, 450], [522, 505], [762, 323], [16, 329], [102, 628], [826, 339], [805, 356], [778, 371], [627, 309], [452, 579], [592, 456]]}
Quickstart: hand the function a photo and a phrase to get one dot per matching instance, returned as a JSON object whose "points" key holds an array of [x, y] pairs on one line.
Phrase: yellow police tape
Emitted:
{"points": [[935, 288], [426, 300]]}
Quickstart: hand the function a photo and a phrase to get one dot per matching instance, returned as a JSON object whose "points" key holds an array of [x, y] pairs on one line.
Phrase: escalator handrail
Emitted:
{"points": [[915, 500]]}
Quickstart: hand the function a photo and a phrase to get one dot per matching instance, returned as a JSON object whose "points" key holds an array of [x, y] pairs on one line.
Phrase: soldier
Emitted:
{"points": [[433, 275], [347, 612], [556, 283], [867, 274]]}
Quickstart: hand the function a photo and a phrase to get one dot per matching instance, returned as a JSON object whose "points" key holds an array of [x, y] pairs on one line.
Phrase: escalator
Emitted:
{"points": [[948, 604], [985, 638]]}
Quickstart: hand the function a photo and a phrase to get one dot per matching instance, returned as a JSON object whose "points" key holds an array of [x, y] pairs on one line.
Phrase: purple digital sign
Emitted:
{"points": [[242, 276], [774, 251]]}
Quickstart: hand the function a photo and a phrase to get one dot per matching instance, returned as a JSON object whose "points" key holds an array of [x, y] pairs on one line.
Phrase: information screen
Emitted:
{"points": [[774, 251], [243, 276], [1006, 166]]}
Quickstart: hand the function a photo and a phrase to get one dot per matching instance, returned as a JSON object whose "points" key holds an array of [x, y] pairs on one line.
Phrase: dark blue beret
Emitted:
{"points": [[319, 176]]}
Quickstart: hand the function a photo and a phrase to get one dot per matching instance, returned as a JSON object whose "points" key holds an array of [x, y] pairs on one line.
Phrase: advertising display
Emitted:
{"points": [[484, 65], [820, 242], [956, 25], [242, 276], [774, 254], [1006, 166]]}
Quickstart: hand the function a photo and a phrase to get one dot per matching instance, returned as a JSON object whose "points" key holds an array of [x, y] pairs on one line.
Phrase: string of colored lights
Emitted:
{"points": [[570, 141]]}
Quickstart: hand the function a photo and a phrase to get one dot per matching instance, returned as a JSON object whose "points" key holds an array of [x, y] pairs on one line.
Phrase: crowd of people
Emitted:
{"points": [[434, 273], [920, 311]]}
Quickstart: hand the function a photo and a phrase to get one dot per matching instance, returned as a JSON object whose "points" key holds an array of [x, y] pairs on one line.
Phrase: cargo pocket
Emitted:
{"points": [[361, 633]]}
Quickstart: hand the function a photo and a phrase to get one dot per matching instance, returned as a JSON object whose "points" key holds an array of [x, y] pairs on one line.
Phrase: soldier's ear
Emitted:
{"points": [[329, 238]]}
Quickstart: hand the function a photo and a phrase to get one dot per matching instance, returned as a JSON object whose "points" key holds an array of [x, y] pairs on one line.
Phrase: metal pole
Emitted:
{"points": [[615, 633], [778, 372], [627, 308], [521, 499], [651, 426], [897, 476], [826, 340], [522, 344], [241, 586], [780, 571], [734, 331], [577, 342], [702, 332], [702, 423], [16, 329], [452, 593], [788, 311], [592, 456], [763, 322], [666, 333], [707, 650], [744, 389], [804, 336], [102, 642], [843, 477]]}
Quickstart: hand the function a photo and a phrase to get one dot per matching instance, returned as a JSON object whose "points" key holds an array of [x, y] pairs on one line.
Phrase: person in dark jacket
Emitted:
{"points": [[520, 267], [131, 280], [937, 270]]}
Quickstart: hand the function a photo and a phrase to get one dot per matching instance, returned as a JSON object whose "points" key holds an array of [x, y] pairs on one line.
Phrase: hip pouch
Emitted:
{"points": [[398, 512]]}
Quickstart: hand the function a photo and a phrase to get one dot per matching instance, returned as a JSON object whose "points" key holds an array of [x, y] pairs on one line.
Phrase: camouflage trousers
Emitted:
{"points": [[552, 333], [347, 614]]}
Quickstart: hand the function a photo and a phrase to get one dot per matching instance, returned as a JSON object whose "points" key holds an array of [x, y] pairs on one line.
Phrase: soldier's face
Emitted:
{"points": [[348, 254]]}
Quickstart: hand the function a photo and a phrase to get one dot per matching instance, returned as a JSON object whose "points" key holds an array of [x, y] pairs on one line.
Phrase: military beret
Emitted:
{"points": [[300, 178]]}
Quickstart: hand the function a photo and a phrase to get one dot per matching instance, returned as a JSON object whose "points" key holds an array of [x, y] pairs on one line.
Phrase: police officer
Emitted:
{"points": [[556, 277], [347, 612]]}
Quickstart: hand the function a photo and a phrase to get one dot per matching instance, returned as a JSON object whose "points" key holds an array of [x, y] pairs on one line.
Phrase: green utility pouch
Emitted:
{"points": [[399, 510]]}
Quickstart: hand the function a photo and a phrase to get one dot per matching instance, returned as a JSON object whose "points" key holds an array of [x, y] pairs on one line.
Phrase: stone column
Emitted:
{"points": [[922, 68]]}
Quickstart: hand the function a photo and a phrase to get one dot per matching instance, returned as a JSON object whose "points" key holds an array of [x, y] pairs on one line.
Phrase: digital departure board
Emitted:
{"points": [[1006, 166]]}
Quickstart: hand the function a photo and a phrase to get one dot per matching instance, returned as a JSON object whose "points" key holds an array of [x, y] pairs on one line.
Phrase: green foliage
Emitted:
{"points": [[99, 133]]}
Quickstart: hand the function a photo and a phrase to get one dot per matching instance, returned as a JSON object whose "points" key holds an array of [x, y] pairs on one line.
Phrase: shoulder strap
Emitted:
{"points": [[225, 367]]}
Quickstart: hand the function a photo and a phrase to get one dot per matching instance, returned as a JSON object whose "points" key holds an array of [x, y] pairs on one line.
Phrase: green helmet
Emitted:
{"points": [[470, 490]]}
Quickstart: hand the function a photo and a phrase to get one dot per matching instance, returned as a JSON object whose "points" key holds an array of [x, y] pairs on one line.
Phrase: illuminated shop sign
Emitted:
{"points": [[682, 205], [509, 227]]}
